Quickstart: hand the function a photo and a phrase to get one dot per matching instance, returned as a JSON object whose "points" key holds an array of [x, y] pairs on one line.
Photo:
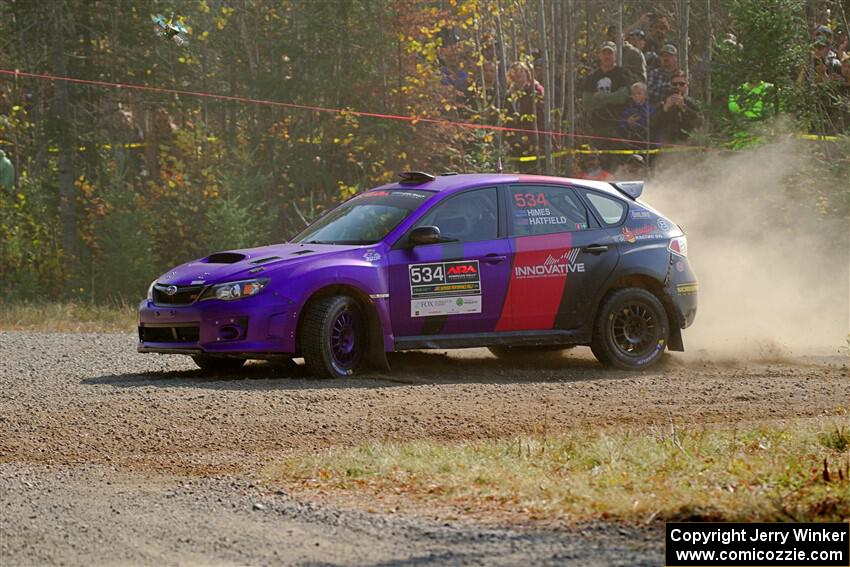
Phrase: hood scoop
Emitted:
{"points": [[264, 260], [224, 258], [301, 252]]}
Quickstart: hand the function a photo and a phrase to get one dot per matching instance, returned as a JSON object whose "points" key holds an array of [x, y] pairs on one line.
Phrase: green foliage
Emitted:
{"points": [[837, 439], [772, 47], [125, 263], [761, 473], [159, 179]]}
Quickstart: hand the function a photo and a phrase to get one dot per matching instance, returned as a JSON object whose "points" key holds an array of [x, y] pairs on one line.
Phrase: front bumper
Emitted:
{"points": [[262, 324]]}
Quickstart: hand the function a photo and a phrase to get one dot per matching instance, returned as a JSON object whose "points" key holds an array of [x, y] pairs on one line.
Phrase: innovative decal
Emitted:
{"points": [[371, 256], [445, 288], [552, 266], [640, 215]]}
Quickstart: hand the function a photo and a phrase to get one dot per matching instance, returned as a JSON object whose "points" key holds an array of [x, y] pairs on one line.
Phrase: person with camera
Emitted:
{"points": [[679, 115]]}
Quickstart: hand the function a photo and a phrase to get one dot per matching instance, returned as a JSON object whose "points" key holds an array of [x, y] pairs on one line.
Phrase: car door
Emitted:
{"points": [[561, 256], [456, 286]]}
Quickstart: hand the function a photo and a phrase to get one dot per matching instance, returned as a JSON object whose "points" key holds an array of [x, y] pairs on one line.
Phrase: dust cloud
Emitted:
{"points": [[773, 273]]}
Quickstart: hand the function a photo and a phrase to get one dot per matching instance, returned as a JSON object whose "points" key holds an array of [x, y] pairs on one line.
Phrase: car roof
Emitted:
{"points": [[456, 182]]}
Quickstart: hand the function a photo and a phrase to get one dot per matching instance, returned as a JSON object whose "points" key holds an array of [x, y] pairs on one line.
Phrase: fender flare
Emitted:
{"points": [[376, 356]]}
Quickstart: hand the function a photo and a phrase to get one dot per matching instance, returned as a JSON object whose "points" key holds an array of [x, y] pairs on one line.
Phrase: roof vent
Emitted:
{"points": [[415, 177]]}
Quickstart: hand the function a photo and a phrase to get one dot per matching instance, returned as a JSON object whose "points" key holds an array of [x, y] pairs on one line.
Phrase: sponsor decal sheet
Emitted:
{"points": [[445, 288]]}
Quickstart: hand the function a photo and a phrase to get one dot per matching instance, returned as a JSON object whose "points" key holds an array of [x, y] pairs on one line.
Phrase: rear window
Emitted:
{"points": [[611, 210], [365, 219]]}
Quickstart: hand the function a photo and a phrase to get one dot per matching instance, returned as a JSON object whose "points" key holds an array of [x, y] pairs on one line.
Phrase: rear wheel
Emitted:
{"points": [[334, 337], [212, 363], [515, 352], [631, 330]]}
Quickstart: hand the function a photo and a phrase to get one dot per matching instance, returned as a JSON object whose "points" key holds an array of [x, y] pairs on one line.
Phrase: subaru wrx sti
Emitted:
{"points": [[514, 263]]}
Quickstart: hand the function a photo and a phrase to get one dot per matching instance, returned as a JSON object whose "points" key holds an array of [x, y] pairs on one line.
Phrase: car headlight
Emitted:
{"points": [[150, 290], [235, 290]]}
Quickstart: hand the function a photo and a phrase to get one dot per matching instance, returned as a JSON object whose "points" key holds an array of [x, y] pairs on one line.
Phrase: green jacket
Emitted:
{"points": [[750, 100]]}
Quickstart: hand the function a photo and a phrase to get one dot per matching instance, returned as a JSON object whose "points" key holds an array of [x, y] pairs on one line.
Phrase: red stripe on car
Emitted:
{"points": [[538, 275]]}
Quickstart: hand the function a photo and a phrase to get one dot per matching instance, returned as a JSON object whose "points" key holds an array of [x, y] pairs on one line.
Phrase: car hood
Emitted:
{"points": [[248, 263]]}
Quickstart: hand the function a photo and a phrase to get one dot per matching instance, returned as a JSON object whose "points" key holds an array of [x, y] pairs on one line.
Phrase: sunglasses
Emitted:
{"points": [[679, 84]]}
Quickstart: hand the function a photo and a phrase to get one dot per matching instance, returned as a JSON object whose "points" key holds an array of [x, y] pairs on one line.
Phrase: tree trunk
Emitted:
{"points": [[686, 17], [620, 9], [571, 79], [547, 93], [65, 142], [709, 54]]}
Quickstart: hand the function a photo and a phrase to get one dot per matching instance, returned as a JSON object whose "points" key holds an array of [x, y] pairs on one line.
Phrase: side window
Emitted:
{"points": [[611, 210], [544, 210], [468, 217]]}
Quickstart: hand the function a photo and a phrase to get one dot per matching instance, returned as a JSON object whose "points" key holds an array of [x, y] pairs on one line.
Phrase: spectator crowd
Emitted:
{"points": [[635, 99]]}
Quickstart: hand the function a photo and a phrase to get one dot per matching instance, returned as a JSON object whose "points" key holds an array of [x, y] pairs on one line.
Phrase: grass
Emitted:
{"points": [[762, 473], [68, 317]]}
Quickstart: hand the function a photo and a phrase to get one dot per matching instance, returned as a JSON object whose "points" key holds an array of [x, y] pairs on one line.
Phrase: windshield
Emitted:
{"points": [[365, 219]]}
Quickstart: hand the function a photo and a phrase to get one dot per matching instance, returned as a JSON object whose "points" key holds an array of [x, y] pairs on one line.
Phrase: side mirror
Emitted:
{"points": [[424, 235]]}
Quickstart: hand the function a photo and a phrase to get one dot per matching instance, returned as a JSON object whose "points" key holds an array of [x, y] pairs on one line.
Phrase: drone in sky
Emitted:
{"points": [[170, 29]]}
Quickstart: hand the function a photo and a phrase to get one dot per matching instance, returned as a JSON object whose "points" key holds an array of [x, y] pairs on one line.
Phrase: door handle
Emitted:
{"points": [[494, 258], [595, 249]]}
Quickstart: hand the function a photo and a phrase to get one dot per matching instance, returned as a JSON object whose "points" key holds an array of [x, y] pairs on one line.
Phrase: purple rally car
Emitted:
{"points": [[516, 263]]}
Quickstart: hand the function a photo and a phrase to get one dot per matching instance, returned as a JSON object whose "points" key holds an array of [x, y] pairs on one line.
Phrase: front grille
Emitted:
{"points": [[183, 294], [183, 334]]}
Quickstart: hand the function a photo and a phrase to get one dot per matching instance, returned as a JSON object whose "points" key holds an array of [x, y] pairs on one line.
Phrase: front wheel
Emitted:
{"points": [[334, 337], [631, 330]]}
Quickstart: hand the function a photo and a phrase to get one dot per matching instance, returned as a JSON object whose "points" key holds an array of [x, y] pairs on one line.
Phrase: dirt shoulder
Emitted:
{"points": [[70, 399], [93, 426]]}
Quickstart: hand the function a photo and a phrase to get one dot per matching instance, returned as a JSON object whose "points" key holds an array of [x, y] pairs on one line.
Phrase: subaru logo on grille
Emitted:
{"points": [[171, 290]]}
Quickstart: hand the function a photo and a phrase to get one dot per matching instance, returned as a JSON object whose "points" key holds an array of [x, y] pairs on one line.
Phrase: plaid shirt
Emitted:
{"points": [[658, 84]]}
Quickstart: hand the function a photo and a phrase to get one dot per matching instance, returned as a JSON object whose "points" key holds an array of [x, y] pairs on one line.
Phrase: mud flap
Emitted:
{"points": [[674, 340], [376, 357]]}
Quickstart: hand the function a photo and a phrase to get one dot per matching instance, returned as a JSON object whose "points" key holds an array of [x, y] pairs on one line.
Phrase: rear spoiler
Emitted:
{"points": [[631, 189]]}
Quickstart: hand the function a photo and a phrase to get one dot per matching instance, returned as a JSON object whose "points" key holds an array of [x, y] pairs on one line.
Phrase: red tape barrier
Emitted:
{"points": [[411, 119]]}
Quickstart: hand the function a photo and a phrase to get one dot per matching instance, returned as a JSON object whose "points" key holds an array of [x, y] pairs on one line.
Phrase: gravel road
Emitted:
{"points": [[112, 457]]}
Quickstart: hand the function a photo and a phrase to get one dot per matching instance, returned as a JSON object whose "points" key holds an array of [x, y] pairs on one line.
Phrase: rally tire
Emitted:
{"points": [[631, 330], [212, 363], [333, 337]]}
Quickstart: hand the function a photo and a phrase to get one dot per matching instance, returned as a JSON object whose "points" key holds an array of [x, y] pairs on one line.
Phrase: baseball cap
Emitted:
{"points": [[670, 48], [608, 45], [637, 32]]}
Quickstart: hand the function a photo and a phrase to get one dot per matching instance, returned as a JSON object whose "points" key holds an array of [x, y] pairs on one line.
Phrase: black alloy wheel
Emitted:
{"points": [[631, 330]]}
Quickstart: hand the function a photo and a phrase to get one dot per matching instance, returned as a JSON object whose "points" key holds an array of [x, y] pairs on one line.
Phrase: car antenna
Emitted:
{"points": [[499, 165]]}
